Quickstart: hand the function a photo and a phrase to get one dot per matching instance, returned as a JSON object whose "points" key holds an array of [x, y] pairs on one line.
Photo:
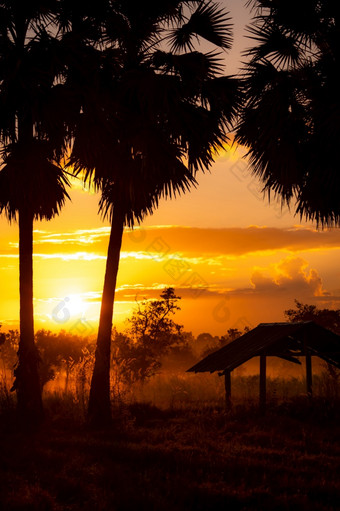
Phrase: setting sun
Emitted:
{"points": [[72, 305]]}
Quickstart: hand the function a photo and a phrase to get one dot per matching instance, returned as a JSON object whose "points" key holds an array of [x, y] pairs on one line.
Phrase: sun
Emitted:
{"points": [[76, 305]]}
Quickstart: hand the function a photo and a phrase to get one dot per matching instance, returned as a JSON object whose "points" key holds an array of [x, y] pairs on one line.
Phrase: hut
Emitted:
{"points": [[288, 341]]}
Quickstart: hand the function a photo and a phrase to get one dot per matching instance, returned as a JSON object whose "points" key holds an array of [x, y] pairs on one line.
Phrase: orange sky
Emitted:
{"points": [[234, 259]]}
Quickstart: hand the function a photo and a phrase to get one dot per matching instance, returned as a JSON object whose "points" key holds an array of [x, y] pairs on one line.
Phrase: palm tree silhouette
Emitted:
{"points": [[31, 185], [153, 118], [290, 120]]}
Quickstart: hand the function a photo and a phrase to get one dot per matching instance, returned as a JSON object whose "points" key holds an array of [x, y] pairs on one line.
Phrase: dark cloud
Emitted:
{"points": [[228, 241]]}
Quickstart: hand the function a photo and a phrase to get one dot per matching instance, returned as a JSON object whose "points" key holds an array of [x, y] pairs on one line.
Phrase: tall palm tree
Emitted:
{"points": [[32, 186], [152, 120], [290, 120]]}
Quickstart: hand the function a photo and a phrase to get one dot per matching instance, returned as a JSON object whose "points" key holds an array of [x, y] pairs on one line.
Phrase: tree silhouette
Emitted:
{"points": [[151, 335], [155, 115], [61, 350], [290, 120], [32, 186], [328, 318]]}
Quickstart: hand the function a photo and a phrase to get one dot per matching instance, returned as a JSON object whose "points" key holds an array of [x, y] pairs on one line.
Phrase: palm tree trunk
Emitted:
{"points": [[67, 375], [99, 410], [27, 384]]}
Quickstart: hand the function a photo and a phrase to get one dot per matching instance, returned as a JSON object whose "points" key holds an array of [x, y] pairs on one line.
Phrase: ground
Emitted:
{"points": [[183, 459]]}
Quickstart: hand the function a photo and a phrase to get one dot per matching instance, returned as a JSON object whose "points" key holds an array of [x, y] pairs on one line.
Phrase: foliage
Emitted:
{"points": [[153, 105], [215, 343], [151, 335], [152, 322], [32, 182], [30, 147], [57, 351], [61, 351], [328, 318], [9, 343], [154, 112], [232, 334], [290, 120]]}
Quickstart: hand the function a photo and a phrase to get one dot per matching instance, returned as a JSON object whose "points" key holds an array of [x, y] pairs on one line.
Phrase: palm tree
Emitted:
{"points": [[31, 185], [290, 120], [152, 120]]}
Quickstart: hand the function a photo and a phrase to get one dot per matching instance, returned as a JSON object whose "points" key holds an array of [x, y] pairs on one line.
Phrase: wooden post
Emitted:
{"points": [[308, 367], [309, 375], [227, 386], [263, 383]]}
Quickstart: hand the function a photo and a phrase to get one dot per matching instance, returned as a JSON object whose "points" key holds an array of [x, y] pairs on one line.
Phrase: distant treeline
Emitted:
{"points": [[152, 341]]}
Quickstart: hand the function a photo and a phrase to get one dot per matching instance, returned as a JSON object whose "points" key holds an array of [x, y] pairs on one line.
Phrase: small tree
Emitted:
{"points": [[152, 323], [152, 334]]}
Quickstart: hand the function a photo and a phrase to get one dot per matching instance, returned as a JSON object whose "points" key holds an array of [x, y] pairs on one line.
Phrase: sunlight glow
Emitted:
{"points": [[76, 305]]}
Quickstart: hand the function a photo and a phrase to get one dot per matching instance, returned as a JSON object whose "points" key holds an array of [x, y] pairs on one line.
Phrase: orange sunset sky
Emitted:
{"points": [[234, 259]]}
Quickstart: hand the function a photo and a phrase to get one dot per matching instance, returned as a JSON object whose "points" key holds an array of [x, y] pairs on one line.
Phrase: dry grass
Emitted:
{"points": [[175, 459], [183, 455]]}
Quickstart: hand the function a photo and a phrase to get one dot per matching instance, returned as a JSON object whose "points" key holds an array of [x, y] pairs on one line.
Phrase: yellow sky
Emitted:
{"points": [[234, 259]]}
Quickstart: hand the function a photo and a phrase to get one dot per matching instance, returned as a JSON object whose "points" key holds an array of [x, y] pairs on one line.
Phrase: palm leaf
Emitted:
{"points": [[274, 44], [193, 66], [209, 22], [29, 180]]}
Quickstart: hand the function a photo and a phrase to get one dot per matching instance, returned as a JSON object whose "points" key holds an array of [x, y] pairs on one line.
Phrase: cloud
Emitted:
{"points": [[158, 242], [291, 276], [294, 272], [75, 256], [228, 241], [141, 292], [79, 237]]}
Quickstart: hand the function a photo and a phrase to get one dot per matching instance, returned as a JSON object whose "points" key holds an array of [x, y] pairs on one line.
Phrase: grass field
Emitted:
{"points": [[180, 456]]}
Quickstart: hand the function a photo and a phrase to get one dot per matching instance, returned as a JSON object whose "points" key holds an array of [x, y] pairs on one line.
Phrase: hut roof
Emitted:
{"points": [[284, 340]]}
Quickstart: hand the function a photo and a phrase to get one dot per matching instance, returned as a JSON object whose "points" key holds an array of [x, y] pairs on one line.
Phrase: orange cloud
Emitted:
{"points": [[229, 241], [158, 242], [291, 275]]}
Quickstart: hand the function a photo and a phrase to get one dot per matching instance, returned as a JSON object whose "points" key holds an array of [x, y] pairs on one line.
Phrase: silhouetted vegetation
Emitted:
{"points": [[171, 437], [149, 87], [215, 343], [328, 318], [152, 334], [195, 458], [119, 88], [32, 183], [288, 122]]}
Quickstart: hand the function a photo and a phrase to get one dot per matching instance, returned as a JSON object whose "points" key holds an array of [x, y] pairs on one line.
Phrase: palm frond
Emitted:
{"points": [[193, 66], [289, 122], [151, 119], [223, 95], [144, 182], [275, 45], [30, 181], [208, 21]]}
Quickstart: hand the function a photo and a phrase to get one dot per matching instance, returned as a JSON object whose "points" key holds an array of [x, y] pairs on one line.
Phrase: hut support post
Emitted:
{"points": [[227, 386], [309, 375], [263, 363]]}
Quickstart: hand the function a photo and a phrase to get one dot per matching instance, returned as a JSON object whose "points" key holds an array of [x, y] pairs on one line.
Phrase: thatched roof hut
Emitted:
{"points": [[284, 340]]}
